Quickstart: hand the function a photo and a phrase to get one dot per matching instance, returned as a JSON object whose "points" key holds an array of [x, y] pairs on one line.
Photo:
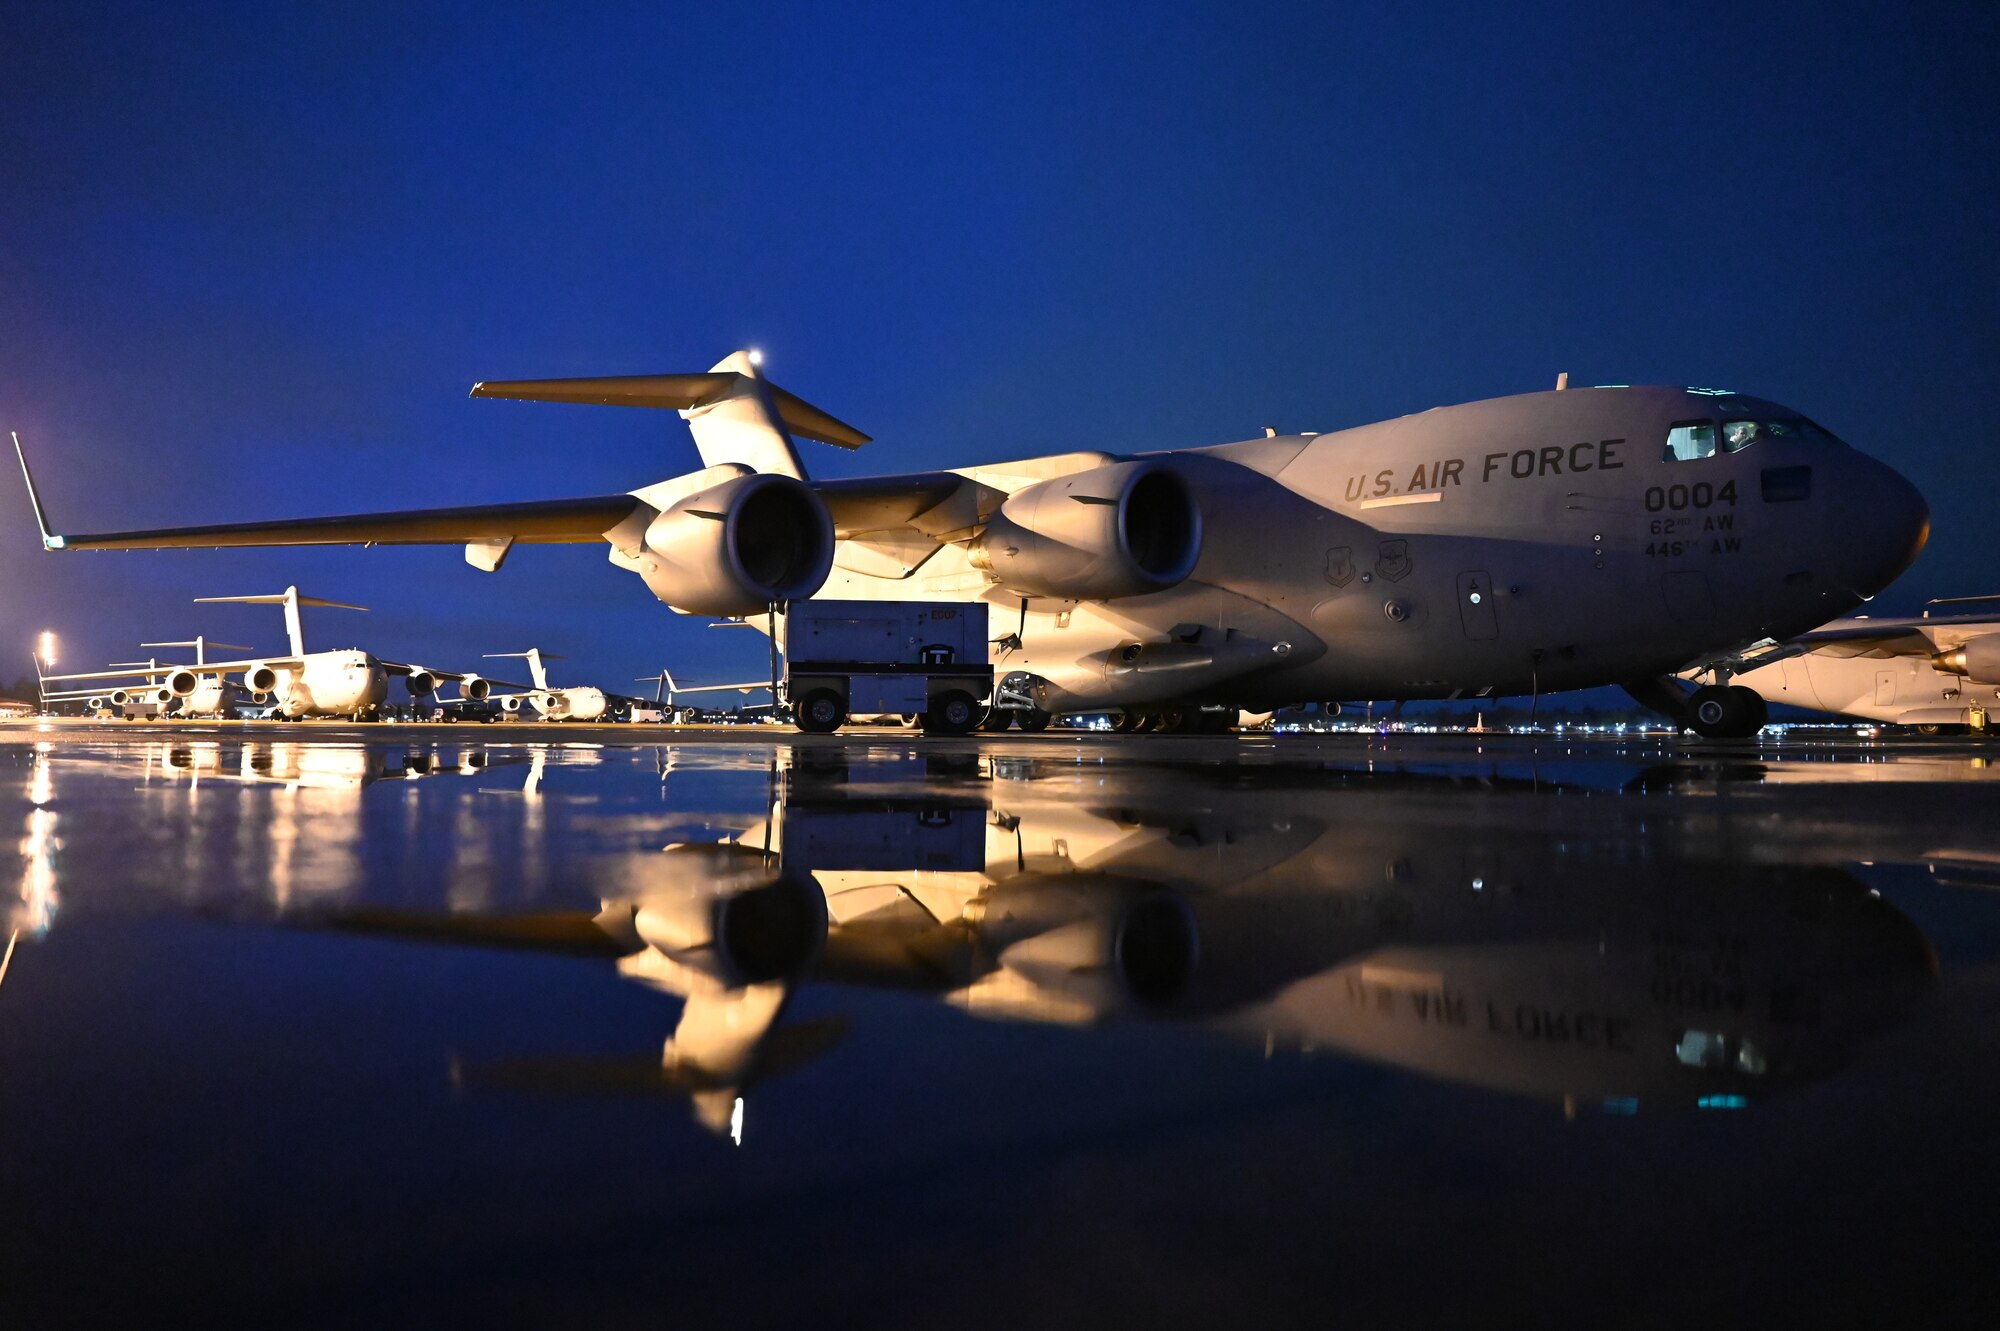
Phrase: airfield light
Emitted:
{"points": [[47, 650], [756, 356]]}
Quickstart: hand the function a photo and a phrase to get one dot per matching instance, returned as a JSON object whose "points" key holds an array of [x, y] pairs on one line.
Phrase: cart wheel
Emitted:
{"points": [[820, 712], [952, 713]]}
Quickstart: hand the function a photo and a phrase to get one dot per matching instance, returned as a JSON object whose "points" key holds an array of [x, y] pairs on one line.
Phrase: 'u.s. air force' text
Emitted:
{"points": [[1519, 465]]}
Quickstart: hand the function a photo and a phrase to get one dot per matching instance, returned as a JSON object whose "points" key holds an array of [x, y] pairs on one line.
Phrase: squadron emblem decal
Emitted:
{"points": [[1340, 565], [1392, 560]]}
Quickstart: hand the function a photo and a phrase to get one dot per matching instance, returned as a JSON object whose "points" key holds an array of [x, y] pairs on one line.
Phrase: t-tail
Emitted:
{"points": [[291, 600], [536, 670]]}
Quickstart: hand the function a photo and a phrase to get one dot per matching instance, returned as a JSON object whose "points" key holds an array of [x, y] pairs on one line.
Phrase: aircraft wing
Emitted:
{"points": [[1893, 637], [450, 676], [169, 667], [543, 522]]}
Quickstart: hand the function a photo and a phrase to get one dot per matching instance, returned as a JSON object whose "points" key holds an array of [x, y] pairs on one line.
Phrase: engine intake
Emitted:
{"points": [[1119, 530], [182, 683], [421, 683], [261, 678], [734, 548], [1977, 660], [474, 689]]}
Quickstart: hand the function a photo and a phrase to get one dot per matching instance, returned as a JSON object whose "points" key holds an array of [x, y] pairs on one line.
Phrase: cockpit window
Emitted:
{"points": [[1690, 440], [1739, 435]]}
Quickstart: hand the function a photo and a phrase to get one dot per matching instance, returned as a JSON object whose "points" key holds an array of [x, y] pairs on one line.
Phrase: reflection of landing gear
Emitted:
{"points": [[1733, 712]]}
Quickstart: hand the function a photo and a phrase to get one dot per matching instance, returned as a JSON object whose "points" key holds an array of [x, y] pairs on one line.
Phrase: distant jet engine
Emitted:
{"points": [[474, 689], [1119, 530], [98, 704], [120, 697], [182, 683], [262, 678], [421, 683], [734, 548], [510, 704], [1978, 660]]}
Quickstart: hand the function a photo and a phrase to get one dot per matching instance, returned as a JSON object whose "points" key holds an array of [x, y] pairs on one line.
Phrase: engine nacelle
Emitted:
{"points": [[730, 912], [474, 689], [98, 704], [421, 683], [734, 548], [511, 704], [1119, 530], [182, 682], [120, 697], [1088, 946], [261, 678], [1978, 660]]}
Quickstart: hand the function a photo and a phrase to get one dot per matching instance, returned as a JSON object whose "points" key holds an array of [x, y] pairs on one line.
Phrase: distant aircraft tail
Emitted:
{"points": [[734, 413], [534, 656], [291, 600]]}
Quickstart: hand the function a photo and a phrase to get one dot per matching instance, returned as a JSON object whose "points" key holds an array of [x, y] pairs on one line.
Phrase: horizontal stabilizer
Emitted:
{"points": [[677, 392]]}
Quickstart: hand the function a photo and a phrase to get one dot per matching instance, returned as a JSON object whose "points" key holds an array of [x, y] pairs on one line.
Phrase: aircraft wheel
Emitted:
{"points": [[954, 712], [1147, 723], [997, 720], [819, 712], [1034, 720], [1125, 724], [1177, 720], [1222, 722], [1726, 713]]}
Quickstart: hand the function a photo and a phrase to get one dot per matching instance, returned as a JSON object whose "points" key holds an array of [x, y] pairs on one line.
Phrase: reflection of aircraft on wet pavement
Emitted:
{"points": [[1500, 953], [1545, 541], [1933, 672], [338, 683]]}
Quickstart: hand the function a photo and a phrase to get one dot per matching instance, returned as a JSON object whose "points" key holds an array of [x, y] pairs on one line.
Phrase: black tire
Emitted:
{"points": [[1034, 720], [820, 712], [953, 712], [1125, 723], [1176, 720], [1726, 713], [1222, 722], [997, 719], [1760, 710]]}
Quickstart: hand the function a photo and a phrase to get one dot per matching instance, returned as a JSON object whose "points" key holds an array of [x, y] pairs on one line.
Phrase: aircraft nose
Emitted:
{"points": [[1891, 523]]}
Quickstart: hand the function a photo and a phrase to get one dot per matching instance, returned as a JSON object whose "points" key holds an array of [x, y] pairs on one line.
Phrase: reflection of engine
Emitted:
{"points": [[1079, 947], [734, 548], [728, 912], [1977, 660], [1118, 530]]}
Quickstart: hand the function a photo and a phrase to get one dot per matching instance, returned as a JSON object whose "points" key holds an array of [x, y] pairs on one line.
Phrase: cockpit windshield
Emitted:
{"points": [[1690, 440]]}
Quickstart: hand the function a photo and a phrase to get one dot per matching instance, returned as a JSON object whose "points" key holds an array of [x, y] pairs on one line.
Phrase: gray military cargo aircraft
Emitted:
{"points": [[1547, 541]]}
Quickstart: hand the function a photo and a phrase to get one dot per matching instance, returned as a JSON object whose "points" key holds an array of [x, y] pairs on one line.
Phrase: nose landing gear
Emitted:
{"points": [[1727, 712]]}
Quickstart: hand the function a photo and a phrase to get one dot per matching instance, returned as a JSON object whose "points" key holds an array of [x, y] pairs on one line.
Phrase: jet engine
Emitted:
{"points": [[1118, 530], [1977, 660], [421, 683], [734, 548], [182, 682], [1087, 946], [474, 689], [731, 912], [261, 678]]}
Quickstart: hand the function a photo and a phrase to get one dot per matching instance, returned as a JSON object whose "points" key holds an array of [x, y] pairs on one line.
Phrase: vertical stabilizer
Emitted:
{"points": [[742, 423], [290, 599]]}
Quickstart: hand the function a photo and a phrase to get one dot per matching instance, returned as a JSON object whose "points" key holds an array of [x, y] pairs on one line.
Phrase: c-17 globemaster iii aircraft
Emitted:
{"points": [[1546, 541], [1933, 672]]}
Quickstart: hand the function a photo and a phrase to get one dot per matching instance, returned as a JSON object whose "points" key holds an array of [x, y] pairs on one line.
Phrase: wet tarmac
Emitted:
{"points": [[330, 1025]]}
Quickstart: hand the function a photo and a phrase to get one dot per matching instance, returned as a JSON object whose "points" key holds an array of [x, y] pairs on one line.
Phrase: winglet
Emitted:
{"points": [[50, 541]]}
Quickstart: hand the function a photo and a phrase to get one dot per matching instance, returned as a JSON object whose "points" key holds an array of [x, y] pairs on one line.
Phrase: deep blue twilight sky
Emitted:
{"points": [[252, 257]]}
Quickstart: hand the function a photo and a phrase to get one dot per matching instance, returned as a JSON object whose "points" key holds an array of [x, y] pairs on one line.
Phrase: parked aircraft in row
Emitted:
{"points": [[1933, 671], [348, 682], [584, 702], [1546, 541]]}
